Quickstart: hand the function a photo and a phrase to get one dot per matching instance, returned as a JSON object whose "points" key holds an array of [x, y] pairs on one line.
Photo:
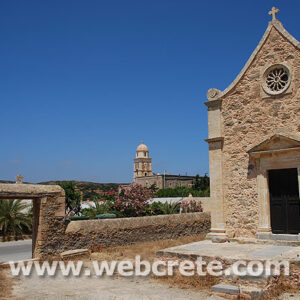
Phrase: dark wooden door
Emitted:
{"points": [[284, 201]]}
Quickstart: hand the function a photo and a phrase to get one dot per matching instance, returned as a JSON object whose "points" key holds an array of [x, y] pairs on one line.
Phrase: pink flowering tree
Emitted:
{"points": [[108, 196], [191, 205], [129, 201]]}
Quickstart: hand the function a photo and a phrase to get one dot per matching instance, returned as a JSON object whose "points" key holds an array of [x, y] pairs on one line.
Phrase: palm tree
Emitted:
{"points": [[13, 218]]}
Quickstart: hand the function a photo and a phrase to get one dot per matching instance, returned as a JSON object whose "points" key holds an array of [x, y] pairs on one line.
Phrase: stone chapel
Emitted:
{"points": [[254, 143]]}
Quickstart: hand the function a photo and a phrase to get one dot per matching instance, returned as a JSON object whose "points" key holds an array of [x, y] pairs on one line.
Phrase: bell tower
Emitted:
{"points": [[142, 162]]}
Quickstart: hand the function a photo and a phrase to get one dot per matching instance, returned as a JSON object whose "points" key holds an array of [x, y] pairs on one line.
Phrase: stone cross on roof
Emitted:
{"points": [[19, 179], [273, 12]]}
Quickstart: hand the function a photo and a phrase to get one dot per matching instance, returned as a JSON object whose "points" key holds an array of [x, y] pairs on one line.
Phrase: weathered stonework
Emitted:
{"points": [[243, 116], [48, 214], [165, 181], [125, 231]]}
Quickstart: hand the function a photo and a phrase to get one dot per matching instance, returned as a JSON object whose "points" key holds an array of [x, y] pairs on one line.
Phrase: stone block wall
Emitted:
{"points": [[125, 231]]}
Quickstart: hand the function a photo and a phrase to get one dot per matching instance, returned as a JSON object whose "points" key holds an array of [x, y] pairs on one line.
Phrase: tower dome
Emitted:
{"points": [[142, 147]]}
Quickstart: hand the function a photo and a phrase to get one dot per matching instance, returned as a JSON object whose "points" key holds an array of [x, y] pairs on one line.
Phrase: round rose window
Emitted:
{"points": [[276, 79]]}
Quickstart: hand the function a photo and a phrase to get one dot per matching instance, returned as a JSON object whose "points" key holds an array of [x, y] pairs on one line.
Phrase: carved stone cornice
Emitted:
{"points": [[273, 152], [215, 143], [214, 103], [142, 159]]}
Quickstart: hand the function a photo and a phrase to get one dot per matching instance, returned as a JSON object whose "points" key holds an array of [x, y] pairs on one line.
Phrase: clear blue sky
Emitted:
{"points": [[83, 82]]}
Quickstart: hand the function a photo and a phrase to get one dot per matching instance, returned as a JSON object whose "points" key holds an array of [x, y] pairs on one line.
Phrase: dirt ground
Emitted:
{"points": [[59, 287], [6, 285], [106, 288], [147, 250]]}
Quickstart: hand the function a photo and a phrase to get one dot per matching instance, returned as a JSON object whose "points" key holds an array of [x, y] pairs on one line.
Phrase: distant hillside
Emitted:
{"points": [[6, 181], [90, 190]]}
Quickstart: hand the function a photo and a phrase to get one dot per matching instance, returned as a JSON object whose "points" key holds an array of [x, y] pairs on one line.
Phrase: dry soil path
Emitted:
{"points": [[36, 288]]}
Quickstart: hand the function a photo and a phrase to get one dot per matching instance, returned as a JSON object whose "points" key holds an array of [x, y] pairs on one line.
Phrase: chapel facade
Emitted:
{"points": [[254, 143]]}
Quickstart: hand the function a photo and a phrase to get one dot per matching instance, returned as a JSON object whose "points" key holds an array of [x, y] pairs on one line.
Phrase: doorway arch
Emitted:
{"points": [[48, 213], [279, 152]]}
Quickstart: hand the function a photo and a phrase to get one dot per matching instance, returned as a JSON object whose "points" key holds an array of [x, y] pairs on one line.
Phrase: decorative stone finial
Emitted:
{"points": [[273, 13], [19, 179], [213, 94]]}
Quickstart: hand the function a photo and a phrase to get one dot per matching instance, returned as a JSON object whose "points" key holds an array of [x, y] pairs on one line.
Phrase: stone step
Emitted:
{"points": [[278, 237], [251, 292], [235, 292], [75, 253], [271, 239], [226, 289]]}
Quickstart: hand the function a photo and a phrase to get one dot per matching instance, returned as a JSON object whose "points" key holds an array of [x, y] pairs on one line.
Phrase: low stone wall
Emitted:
{"points": [[125, 231]]}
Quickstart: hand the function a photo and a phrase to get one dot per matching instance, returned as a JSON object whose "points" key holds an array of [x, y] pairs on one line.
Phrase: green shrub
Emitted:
{"points": [[160, 208], [170, 208], [181, 191], [102, 207], [73, 197]]}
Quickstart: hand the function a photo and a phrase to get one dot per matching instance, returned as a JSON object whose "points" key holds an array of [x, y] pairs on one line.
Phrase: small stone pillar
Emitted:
{"points": [[215, 142]]}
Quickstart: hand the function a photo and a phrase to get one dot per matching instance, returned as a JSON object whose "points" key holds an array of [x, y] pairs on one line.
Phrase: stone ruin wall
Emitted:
{"points": [[53, 235], [92, 234]]}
